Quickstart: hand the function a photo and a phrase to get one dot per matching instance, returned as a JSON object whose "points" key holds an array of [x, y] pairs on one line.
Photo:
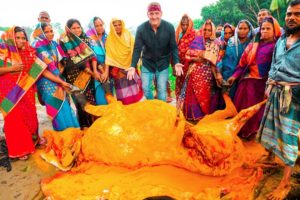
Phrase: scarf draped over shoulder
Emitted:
{"points": [[119, 49]]}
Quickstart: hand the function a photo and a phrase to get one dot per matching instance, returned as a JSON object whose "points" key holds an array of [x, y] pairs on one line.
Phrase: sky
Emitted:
{"points": [[133, 12]]}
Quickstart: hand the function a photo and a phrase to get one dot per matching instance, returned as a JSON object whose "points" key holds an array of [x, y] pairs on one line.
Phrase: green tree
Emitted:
{"points": [[232, 11], [278, 8], [198, 23]]}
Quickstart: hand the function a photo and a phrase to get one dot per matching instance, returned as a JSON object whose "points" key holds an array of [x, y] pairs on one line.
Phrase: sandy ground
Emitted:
{"points": [[23, 182]]}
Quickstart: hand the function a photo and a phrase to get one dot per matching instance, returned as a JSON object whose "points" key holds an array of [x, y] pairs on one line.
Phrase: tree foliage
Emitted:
{"points": [[232, 11]]}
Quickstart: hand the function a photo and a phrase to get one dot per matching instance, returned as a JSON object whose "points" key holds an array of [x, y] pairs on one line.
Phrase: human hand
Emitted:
{"points": [[219, 79], [130, 73], [178, 69], [231, 80], [66, 85], [16, 68], [104, 76]]}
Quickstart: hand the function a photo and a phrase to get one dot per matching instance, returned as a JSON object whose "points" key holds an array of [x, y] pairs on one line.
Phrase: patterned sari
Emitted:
{"points": [[79, 57], [183, 42], [253, 70], [119, 51], [52, 94], [200, 83], [98, 46], [17, 95]]}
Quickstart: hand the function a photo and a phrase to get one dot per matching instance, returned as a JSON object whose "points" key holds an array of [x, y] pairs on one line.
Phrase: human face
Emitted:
{"points": [[76, 29], [118, 26], [48, 31], [184, 25], [219, 28], [243, 30], [292, 18], [44, 17], [20, 39], [99, 26], [154, 18], [207, 31], [228, 33], [261, 15], [267, 31]]}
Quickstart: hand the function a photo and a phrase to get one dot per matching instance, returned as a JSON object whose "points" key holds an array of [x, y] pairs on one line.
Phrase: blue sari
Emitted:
{"points": [[51, 93], [98, 48], [234, 52]]}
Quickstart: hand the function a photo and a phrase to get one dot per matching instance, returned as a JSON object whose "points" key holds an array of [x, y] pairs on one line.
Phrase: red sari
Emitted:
{"points": [[20, 123], [183, 42], [199, 97]]}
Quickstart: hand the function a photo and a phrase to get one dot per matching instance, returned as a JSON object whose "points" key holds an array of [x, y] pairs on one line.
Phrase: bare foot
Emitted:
{"points": [[24, 157], [280, 192], [169, 99]]}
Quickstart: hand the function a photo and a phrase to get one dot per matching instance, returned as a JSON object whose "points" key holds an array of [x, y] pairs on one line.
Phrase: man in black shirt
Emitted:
{"points": [[156, 38]]}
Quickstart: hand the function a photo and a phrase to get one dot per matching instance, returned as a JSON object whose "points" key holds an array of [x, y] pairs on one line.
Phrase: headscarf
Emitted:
{"points": [[227, 25], [51, 53], [277, 34], [186, 39], [236, 35], [75, 47], [48, 51], [119, 49], [97, 45], [211, 49], [9, 55], [189, 29]]}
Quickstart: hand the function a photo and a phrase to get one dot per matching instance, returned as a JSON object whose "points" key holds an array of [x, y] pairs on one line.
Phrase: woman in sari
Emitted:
{"points": [[119, 49], [51, 88], [96, 33], [185, 34], [253, 70], [19, 70], [78, 67], [234, 50], [201, 59], [226, 33]]}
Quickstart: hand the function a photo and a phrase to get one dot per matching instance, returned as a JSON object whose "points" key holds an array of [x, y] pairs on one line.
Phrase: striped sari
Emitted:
{"points": [[17, 95]]}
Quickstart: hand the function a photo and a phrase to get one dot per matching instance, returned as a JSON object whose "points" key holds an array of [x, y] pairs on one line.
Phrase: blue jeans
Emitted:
{"points": [[161, 79]]}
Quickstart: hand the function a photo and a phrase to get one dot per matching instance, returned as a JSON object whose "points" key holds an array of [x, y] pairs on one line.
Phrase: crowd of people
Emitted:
{"points": [[251, 64]]}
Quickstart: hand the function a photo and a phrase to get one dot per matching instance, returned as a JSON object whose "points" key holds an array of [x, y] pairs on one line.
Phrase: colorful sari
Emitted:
{"points": [[233, 53], [98, 46], [183, 41], [17, 95], [79, 57], [52, 94], [222, 42], [253, 70], [200, 83], [119, 51]]}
